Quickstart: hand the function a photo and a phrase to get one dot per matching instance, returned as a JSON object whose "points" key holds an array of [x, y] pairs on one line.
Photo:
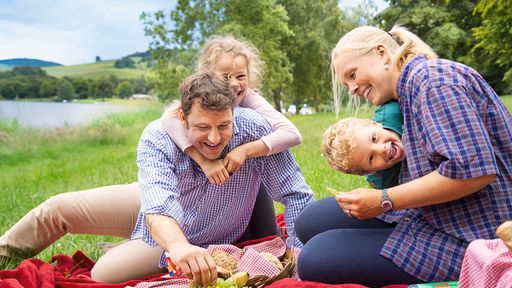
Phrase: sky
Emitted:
{"points": [[72, 32]]}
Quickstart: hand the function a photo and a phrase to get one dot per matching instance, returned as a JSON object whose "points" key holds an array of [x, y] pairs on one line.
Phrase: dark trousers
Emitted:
{"points": [[342, 249], [263, 219]]}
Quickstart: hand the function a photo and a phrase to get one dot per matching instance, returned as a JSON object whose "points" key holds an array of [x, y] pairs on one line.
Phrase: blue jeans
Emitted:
{"points": [[342, 249]]}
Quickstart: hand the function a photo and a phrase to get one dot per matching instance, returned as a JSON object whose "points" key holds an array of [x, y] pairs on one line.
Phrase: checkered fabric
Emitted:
{"points": [[487, 263]]}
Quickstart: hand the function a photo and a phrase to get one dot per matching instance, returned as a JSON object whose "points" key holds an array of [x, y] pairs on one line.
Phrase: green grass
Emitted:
{"points": [[95, 71], [35, 166]]}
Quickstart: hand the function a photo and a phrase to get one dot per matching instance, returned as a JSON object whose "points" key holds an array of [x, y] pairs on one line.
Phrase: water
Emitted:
{"points": [[55, 115]]}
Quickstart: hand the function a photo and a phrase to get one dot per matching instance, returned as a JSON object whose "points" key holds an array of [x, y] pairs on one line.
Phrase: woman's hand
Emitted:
{"points": [[361, 203], [215, 171], [235, 159]]}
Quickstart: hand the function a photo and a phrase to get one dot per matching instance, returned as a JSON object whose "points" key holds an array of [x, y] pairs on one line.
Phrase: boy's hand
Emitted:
{"points": [[215, 171], [235, 159], [361, 203]]}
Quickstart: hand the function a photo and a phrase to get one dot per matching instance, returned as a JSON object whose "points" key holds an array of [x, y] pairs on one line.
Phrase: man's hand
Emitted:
{"points": [[235, 159], [195, 262], [361, 203]]}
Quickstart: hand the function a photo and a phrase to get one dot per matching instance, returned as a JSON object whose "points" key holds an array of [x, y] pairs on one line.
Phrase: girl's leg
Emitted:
{"points": [[110, 210], [263, 219], [133, 259], [325, 214], [350, 256]]}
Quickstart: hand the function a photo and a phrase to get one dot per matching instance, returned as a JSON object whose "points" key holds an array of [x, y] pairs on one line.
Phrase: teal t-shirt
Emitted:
{"points": [[390, 116]]}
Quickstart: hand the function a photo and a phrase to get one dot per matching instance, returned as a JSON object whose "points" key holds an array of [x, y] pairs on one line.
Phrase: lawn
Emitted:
{"points": [[96, 70], [36, 165]]}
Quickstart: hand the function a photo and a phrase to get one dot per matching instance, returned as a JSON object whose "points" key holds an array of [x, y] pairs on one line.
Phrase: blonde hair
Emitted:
{"points": [[339, 143], [216, 46], [402, 44]]}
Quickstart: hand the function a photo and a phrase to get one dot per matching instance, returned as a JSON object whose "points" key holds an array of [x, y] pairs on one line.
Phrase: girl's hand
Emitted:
{"points": [[235, 159], [215, 171], [361, 203]]}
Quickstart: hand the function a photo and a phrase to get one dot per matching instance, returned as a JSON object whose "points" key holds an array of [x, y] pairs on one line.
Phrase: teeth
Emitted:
{"points": [[392, 152]]}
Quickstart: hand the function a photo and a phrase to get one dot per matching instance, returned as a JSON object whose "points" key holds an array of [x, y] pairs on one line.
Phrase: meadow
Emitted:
{"points": [[36, 165], [97, 70]]}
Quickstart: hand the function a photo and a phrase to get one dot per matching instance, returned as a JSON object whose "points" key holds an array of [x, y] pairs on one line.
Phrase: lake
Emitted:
{"points": [[56, 114]]}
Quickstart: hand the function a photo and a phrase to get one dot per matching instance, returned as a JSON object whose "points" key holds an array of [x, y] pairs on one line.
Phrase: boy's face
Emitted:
{"points": [[376, 148]]}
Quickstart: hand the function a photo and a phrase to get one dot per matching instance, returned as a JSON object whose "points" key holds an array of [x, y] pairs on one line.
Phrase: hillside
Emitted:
{"points": [[98, 70], [28, 62]]}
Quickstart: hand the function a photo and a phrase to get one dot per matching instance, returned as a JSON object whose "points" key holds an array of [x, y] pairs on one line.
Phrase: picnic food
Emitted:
{"points": [[272, 259], [238, 280], [224, 260], [504, 231]]}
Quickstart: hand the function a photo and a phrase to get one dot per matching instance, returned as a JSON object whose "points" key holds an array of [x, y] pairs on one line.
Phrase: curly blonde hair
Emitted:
{"points": [[339, 143], [218, 45], [402, 44]]}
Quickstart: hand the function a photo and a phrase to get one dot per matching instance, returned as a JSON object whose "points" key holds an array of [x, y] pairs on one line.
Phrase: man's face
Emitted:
{"points": [[209, 130], [376, 148]]}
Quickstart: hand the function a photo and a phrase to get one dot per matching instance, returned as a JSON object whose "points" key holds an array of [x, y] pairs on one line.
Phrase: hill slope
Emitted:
{"points": [[96, 70], [28, 62]]}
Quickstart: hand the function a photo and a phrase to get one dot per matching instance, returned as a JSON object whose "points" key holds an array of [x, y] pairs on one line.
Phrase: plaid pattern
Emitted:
{"points": [[487, 263], [455, 124], [172, 184]]}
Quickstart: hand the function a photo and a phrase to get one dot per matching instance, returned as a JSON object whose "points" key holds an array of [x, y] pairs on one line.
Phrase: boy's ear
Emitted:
{"points": [[182, 118]]}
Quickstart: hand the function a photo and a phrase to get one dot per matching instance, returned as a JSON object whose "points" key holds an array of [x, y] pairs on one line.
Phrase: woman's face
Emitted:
{"points": [[368, 76], [234, 68]]}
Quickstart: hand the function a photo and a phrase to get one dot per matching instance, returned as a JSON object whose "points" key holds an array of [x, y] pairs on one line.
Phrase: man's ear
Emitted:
{"points": [[183, 120]]}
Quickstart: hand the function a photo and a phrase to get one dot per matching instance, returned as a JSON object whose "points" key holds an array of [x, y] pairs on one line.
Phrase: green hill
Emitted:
{"points": [[15, 62], [98, 70]]}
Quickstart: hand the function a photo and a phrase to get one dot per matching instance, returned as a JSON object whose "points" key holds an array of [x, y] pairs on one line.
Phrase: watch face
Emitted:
{"points": [[386, 205]]}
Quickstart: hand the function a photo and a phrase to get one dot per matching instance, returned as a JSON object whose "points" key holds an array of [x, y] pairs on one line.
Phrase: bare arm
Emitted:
{"points": [[428, 190]]}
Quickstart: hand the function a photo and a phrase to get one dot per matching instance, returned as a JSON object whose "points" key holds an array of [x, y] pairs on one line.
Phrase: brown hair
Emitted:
{"points": [[216, 45], [339, 143], [402, 44], [210, 89]]}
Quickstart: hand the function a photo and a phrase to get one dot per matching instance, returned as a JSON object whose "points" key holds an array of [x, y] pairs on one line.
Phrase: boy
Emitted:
{"points": [[366, 147]]}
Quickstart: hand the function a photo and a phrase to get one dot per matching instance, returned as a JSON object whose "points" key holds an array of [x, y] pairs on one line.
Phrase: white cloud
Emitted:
{"points": [[74, 32]]}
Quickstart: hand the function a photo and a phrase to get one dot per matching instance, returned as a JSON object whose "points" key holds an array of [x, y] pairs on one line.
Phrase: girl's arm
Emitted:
{"points": [[284, 135], [213, 169]]}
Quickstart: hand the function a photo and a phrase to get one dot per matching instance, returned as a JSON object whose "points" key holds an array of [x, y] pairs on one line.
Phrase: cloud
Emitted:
{"points": [[74, 32]]}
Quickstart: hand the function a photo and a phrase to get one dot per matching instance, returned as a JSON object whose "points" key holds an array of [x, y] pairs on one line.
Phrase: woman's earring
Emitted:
{"points": [[386, 66]]}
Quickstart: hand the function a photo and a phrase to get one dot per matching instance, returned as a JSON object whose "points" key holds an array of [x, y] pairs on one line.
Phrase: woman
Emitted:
{"points": [[456, 179]]}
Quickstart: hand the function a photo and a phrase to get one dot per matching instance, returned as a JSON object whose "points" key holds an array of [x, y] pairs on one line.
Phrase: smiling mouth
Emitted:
{"points": [[366, 93], [212, 147], [394, 152]]}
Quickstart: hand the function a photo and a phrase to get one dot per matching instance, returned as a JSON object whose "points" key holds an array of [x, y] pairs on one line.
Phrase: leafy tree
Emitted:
{"points": [[263, 22], [65, 90], [125, 62], [140, 85], [81, 87], [28, 71], [98, 59], [494, 37], [103, 88], [11, 88], [47, 89], [124, 90]]}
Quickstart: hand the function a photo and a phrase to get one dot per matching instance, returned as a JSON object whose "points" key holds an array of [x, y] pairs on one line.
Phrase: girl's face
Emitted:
{"points": [[234, 68], [368, 76]]}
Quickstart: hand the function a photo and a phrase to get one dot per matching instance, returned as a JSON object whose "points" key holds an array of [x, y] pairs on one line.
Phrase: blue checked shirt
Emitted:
{"points": [[172, 184], [455, 124]]}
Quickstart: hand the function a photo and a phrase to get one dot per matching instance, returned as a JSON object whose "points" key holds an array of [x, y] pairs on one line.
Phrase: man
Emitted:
{"points": [[181, 211]]}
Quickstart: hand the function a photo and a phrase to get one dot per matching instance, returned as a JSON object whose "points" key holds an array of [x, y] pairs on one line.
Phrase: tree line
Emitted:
{"points": [[295, 38], [34, 82]]}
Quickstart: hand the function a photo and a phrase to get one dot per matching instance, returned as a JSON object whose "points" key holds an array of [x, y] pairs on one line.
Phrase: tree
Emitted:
{"points": [[103, 89], [81, 87], [65, 90], [98, 59], [494, 37], [264, 23], [124, 90], [47, 89], [125, 62]]}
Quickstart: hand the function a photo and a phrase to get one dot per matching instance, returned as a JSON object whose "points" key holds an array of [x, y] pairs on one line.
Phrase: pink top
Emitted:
{"points": [[285, 134]]}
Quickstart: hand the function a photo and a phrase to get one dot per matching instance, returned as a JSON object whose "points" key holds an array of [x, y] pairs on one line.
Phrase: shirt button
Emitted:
{"points": [[407, 219]]}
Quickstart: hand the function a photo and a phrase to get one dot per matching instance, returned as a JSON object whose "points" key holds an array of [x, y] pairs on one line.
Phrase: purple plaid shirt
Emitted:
{"points": [[455, 124], [172, 184]]}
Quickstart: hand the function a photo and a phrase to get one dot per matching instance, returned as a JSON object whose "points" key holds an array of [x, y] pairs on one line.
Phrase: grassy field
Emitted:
{"points": [[36, 165], [95, 70]]}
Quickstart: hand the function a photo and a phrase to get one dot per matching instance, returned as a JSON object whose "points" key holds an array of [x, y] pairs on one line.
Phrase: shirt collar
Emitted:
{"points": [[405, 75]]}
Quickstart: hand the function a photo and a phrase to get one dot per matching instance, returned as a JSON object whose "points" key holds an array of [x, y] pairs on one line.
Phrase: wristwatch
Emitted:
{"points": [[386, 204]]}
